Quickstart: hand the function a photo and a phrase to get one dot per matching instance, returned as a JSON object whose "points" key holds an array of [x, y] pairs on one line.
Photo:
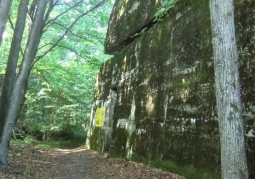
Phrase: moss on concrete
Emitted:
{"points": [[119, 140], [128, 18], [167, 73], [96, 139]]}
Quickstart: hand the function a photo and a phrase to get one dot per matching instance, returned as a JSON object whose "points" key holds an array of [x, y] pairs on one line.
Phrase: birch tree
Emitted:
{"points": [[233, 156]]}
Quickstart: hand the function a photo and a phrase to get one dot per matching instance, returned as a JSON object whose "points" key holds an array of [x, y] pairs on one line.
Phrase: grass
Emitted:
{"points": [[188, 171], [77, 139]]}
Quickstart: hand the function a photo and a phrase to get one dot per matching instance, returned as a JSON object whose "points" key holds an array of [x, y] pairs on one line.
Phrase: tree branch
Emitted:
{"points": [[51, 5], [52, 20], [74, 34], [67, 30]]}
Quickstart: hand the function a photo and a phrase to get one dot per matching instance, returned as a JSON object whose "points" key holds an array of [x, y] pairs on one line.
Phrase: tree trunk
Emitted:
{"points": [[5, 6], [22, 78], [233, 156], [10, 72]]}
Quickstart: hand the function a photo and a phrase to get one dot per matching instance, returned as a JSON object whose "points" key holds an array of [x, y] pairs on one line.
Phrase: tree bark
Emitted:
{"points": [[233, 156], [22, 78], [5, 6], [10, 72]]}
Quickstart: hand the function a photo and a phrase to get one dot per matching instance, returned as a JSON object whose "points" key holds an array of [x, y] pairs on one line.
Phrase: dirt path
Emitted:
{"points": [[35, 163], [73, 164]]}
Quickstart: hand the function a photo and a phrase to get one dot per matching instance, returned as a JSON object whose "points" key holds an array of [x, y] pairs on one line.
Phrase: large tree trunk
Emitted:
{"points": [[10, 72], [5, 6], [233, 156], [22, 78]]}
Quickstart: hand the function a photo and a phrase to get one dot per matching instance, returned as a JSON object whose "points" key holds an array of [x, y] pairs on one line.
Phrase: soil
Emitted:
{"points": [[29, 162]]}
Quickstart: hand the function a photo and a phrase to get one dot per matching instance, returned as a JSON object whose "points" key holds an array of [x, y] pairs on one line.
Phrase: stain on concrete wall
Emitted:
{"points": [[165, 111], [127, 18]]}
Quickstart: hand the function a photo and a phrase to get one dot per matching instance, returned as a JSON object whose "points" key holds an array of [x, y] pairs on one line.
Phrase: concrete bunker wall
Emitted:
{"points": [[165, 111]]}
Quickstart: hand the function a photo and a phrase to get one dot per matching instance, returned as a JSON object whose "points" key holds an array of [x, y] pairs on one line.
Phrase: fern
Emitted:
{"points": [[164, 9]]}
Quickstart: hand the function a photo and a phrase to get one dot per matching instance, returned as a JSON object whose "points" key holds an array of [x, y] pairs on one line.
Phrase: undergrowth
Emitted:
{"points": [[77, 139]]}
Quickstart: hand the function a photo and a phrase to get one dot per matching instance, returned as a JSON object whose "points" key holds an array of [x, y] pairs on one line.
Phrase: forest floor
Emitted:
{"points": [[30, 162]]}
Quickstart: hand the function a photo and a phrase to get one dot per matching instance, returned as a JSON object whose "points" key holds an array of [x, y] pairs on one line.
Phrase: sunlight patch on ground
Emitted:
{"points": [[71, 150], [58, 151], [39, 161]]}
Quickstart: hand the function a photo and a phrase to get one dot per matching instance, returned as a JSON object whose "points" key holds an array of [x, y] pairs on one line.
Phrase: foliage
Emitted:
{"points": [[164, 9], [140, 33], [61, 83]]}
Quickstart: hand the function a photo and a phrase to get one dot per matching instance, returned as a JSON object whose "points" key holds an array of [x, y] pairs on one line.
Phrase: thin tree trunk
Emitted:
{"points": [[5, 6], [22, 78], [233, 156], [10, 72]]}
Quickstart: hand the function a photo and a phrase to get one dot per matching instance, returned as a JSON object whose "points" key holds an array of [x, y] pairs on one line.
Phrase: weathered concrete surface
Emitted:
{"points": [[165, 112], [127, 18]]}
